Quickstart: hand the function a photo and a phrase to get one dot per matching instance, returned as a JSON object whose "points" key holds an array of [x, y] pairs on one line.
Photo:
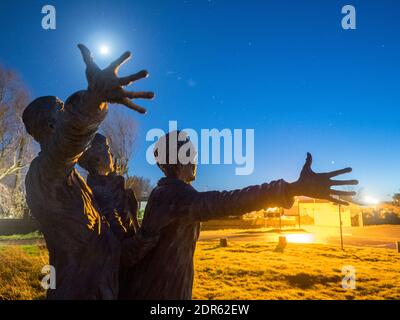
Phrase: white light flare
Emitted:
{"points": [[300, 238], [371, 200], [104, 50]]}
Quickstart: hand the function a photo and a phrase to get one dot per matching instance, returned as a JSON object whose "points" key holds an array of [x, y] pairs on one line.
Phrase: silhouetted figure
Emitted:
{"points": [[118, 204], [82, 248], [166, 272]]}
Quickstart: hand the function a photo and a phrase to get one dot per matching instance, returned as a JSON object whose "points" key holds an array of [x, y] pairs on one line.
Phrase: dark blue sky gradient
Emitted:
{"points": [[284, 68]]}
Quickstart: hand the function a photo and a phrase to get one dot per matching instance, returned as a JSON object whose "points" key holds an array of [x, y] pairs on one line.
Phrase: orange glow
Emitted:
{"points": [[300, 238]]}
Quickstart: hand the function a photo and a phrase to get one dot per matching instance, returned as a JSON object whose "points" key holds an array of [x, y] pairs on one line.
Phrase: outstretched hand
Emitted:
{"points": [[319, 185], [108, 86]]}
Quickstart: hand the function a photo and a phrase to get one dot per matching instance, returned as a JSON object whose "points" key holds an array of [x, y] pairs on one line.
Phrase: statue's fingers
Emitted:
{"points": [[309, 159], [342, 193], [338, 201], [128, 103], [339, 172], [87, 57], [124, 81], [307, 165], [343, 182], [120, 61], [139, 95]]}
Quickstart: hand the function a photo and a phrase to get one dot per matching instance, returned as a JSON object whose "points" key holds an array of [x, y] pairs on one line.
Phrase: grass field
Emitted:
{"points": [[244, 271], [20, 268], [29, 236], [303, 271]]}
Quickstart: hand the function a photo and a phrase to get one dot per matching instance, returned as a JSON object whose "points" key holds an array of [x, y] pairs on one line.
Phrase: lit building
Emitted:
{"points": [[326, 213]]}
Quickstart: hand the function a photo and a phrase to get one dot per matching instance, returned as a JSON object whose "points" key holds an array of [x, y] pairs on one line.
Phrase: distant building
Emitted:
{"points": [[143, 202], [314, 211], [326, 213]]}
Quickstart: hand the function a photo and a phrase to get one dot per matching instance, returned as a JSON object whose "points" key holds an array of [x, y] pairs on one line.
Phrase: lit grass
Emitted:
{"points": [[255, 271], [244, 271], [20, 272]]}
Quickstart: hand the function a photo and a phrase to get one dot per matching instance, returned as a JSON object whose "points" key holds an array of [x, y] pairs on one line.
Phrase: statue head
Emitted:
{"points": [[97, 159], [176, 156], [40, 117]]}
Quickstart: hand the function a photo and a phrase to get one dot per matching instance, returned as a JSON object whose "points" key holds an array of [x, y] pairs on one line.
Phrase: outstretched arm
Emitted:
{"points": [[215, 204], [85, 110], [210, 205]]}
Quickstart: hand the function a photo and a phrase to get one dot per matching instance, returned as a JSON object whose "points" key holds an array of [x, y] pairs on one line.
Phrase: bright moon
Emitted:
{"points": [[104, 50]]}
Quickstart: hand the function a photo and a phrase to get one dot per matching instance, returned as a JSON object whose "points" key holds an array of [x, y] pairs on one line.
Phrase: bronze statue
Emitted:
{"points": [[82, 248], [166, 272], [118, 204], [85, 226]]}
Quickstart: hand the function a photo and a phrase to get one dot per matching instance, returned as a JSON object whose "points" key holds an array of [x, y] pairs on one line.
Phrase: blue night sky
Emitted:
{"points": [[285, 68]]}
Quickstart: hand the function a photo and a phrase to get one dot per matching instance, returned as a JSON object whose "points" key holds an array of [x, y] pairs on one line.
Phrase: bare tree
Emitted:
{"points": [[396, 199], [15, 144], [121, 132], [140, 186]]}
